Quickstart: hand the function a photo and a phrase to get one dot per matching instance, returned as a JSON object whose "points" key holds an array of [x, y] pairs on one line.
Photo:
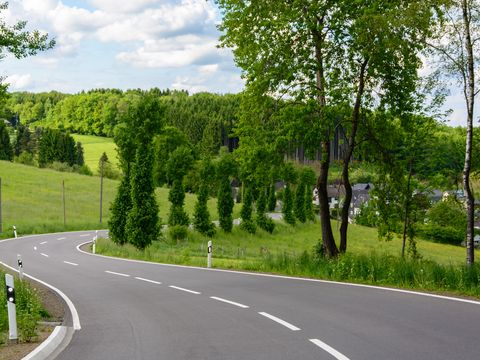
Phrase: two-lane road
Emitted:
{"points": [[135, 310]]}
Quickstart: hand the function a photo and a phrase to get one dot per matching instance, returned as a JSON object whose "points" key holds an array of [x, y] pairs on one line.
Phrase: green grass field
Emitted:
{"points": [[94, 147], [32, 200]]}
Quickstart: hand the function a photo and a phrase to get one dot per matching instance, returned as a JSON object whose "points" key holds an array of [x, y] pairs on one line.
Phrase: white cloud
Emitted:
{"points": [[19, 81], [190, 16], [129, 6], [208, 69], [174, 52]]}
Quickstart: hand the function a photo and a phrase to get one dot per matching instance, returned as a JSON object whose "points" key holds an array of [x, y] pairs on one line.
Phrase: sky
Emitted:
{"points": [[130, 44]]}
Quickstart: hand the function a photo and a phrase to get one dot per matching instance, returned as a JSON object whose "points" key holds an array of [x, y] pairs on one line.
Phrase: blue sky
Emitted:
{"points": [[131, 44]]}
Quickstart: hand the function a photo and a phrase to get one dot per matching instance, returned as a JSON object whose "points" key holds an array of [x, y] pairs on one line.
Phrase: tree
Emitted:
{"points": [[143, 225], [6, 151], [79, 157], [119, 211], [457, 46], [224, 170], [263, 221], [299, 205], [300, 50], [201, 216], [144, 119], [247, 223], [176, 196], [272, 199], [290, 177]]}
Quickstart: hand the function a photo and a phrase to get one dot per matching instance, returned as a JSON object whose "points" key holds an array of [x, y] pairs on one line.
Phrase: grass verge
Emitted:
{"points": [[289, 251]]}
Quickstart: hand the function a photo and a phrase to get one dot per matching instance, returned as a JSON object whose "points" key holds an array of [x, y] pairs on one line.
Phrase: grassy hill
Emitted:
{"points": [[32, 200], [94, 146]]}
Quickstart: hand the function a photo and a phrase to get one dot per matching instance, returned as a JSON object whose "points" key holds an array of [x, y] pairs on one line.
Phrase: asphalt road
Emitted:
{"points": [[133, 310]]}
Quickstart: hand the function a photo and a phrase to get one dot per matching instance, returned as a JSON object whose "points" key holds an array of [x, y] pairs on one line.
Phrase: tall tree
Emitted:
{"points": [[143, 224], [225, 169], [6, 151], [201, 216], [457, 46]]}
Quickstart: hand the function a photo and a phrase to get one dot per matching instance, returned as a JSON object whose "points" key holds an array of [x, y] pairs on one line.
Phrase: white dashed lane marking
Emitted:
{"points": [[44, 255], [229, 302], [186, 290], [63, 238], [329, 349], [149, 281], [70, 263], [43, 242], [280, 321], [116, 273]]}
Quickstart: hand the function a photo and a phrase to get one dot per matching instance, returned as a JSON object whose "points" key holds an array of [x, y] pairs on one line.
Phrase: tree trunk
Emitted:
{"points": [[470, 100], [348, 156], [328, 240]]}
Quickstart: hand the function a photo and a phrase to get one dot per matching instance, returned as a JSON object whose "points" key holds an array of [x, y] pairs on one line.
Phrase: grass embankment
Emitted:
{"points": [[29, 311], [94, 147], [289, 251], [32, 200]]}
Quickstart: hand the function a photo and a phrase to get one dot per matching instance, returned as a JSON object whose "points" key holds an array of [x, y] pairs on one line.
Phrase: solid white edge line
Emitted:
{"points": [[70, 263], [116, 273], [85, 235], [149, 281], [229, 302], [44, 255], [43, 242], [329, 349], [410, 292], [186, 290], [280, 321], [73, 310], [52, 338]]}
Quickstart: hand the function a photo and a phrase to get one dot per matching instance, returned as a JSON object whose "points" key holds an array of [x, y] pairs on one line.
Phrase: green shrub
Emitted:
{"points": [[26, 158], [441, 234], [178, 233]]}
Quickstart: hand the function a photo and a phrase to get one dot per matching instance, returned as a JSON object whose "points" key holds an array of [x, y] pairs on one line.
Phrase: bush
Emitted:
{"points": [[178, 233], [26, 158], [441, 234]]}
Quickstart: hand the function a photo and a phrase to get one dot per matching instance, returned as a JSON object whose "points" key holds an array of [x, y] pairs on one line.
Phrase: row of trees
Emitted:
{"points": [[354, 65], [205, 119]]}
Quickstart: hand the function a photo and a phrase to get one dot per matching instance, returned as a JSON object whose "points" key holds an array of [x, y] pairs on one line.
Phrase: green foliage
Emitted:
{"points": [[272, 199], [119, 211], [176, 196], [225, 168], [6, 151], [106, 169], [441, 234], [309, 211], [299, 205], [449, 212], [247, 223], [201, 216], [179, 163], [57, 146], [24, 141], [26, 158], [79, 158], [29, 310], [177, 233], [225, 205], [262, 220], [142, 225], [287, 207]]}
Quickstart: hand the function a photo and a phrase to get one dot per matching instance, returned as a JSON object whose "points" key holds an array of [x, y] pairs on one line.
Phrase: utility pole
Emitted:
{"points": [[63, 200], [1, 219], [102, 162]]}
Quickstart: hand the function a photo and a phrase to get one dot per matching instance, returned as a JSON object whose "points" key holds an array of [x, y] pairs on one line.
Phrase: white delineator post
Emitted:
{"points": [[209, 259], [12, 309], [15, 231], [95, 242], [20, 266]]}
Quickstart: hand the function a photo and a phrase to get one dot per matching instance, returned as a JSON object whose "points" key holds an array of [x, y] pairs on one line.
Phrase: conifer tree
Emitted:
{"points": [[272, 200], [6, 151], [263, 221], [119, 210], [246, 213], [201, 216], [299, 208]]}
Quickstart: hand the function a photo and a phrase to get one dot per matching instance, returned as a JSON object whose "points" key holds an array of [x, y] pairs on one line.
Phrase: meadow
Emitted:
{"points": [[94, 147]]}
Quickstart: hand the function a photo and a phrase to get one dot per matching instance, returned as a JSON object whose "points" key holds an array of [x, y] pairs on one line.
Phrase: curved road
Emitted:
{"points": [[134, 310]]}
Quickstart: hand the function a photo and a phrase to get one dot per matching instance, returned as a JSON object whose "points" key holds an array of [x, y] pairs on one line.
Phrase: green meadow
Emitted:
{"points": [[94, 147], [32, 200]]}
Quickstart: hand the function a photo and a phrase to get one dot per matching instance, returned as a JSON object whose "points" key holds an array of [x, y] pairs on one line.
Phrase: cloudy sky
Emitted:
{"points": [[130, 44]]}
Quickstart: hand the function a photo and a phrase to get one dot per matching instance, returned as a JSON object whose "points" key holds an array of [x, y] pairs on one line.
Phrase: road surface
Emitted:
{"points": [[134, 310]]}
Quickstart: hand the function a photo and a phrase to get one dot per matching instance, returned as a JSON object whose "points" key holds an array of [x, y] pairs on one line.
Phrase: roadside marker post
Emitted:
{"points": [[15, 231], [94, 242], [20, 266], [12, 308], [209, 259]]}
